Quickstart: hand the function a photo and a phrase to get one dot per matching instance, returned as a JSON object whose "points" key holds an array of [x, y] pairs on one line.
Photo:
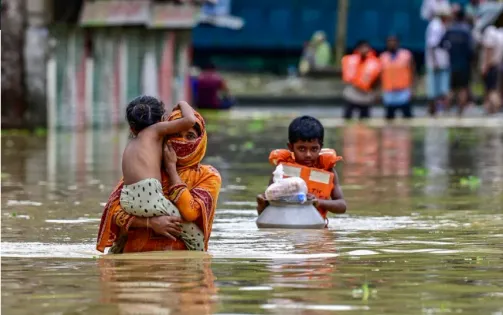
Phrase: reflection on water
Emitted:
{"points": [[142, 286], [422, 234], [436, 160]]}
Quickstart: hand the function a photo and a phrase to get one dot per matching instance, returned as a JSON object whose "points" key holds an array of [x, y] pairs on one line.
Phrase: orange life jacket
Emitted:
{"points": [[361, 74], [396, 72], [319, 179]]}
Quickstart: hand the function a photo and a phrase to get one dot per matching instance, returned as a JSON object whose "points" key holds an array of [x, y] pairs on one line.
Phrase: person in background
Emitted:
{"points": [[360, 73], [458, 41], [472, 11], [491, 57], [430, 7], [316, 54], [397, 78], [322, 51], [194, 78], [209, 85], [437, 60]]}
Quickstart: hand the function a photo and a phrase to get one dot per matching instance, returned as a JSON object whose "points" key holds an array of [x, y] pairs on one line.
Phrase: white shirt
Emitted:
{"points": [[429, 7], [356, 96], [434, 33], [493, 38]]}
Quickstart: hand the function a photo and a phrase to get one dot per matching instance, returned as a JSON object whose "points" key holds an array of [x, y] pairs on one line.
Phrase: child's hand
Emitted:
{"points": [[169, 154], [262, 203], [181, 104], [314, 199], [187, 113]]}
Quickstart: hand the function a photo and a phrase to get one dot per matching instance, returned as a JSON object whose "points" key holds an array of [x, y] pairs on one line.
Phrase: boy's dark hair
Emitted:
{"points": [[306, 128], [144, 111]]}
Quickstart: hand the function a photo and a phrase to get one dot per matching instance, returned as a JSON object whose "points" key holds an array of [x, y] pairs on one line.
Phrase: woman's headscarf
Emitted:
{"points": [[189, 152]]}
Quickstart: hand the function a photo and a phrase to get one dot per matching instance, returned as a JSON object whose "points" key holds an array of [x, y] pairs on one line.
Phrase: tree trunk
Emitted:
{"points": [[14, 107]]}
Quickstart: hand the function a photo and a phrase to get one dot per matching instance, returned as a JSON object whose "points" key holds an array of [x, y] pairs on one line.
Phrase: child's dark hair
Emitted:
{"points": [[144, 111], [306, 128]]}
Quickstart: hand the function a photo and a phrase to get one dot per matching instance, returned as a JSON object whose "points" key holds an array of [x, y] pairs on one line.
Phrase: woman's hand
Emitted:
{"points": [[169, 154], [166, 225]]}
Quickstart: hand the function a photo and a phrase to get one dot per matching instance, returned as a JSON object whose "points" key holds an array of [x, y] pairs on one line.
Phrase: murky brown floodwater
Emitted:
{"points": [[421, 236]]}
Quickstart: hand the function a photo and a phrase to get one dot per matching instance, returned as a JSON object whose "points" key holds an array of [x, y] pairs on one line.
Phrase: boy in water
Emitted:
{"points": [[305, 142], [142, 194]]}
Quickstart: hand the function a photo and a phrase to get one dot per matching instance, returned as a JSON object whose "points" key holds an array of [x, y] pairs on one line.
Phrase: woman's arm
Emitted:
{"points": [[198, 201], [180, 195], [337, 204], [168, 226]]}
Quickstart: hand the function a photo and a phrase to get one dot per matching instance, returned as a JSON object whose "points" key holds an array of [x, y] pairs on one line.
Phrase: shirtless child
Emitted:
{"points": [[142, 194]]}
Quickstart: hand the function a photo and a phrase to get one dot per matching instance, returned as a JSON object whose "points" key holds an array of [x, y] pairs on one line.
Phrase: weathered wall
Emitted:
{"points": [[93, 73], [13, 97]]}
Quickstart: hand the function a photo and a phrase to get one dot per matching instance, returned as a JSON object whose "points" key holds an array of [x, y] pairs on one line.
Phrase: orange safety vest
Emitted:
{"points": [[319, 179], [396, 73], [361, 74]]}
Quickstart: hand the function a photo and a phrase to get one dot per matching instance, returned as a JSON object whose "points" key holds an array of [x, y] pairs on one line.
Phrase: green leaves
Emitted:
{"points": [[471, 182]]}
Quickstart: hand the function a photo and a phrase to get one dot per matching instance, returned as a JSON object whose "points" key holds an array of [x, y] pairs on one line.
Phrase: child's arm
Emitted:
{"points": [[187, 121], [337, 204], [261, 202]]}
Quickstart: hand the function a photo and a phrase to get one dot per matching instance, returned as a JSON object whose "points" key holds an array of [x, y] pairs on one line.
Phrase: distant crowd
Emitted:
{"points": [[456, 54]]}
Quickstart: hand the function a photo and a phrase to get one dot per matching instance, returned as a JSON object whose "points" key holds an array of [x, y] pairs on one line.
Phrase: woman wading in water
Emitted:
{"points": [[193, 188]]}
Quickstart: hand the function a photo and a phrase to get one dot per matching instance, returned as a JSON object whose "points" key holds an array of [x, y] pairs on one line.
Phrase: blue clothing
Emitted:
{"points": [[458, 41], [396, 98], [437, 83], [194, 84]]}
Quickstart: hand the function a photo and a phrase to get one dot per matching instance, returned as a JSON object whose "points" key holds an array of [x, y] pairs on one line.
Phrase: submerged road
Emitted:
{"points": [[338, 110]]}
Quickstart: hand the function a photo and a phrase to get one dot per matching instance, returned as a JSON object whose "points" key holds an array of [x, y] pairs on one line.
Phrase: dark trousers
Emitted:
{"points": [[363, 109], [491, 79], [406, 111]]}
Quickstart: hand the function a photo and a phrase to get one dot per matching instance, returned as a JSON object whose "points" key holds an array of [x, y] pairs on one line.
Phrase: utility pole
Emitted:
{"points": [[341, 31]]}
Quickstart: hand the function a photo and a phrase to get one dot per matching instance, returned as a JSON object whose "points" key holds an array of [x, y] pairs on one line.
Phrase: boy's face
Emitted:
{"points": [[306, 152]]}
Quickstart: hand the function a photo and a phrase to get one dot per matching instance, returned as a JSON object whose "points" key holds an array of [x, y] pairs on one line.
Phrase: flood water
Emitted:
{"points": [[423, 233]]}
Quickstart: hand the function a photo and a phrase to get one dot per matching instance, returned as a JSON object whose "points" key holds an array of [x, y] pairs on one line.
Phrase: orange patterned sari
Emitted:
{"points": [[196, 199]]}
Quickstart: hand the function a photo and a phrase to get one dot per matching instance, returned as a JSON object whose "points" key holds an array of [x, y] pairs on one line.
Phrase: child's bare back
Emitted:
{"points": [[142, 157], [143, 154]]}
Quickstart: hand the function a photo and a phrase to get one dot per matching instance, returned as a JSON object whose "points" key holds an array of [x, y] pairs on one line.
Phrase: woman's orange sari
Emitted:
{"points": [[195, 199]]}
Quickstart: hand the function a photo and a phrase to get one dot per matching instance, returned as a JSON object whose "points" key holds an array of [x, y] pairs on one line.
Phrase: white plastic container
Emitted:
{"points": [[282, 215]]}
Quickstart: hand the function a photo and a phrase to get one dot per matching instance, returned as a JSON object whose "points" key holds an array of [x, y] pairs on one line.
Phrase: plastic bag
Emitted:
{"points": [[291, 189]]}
